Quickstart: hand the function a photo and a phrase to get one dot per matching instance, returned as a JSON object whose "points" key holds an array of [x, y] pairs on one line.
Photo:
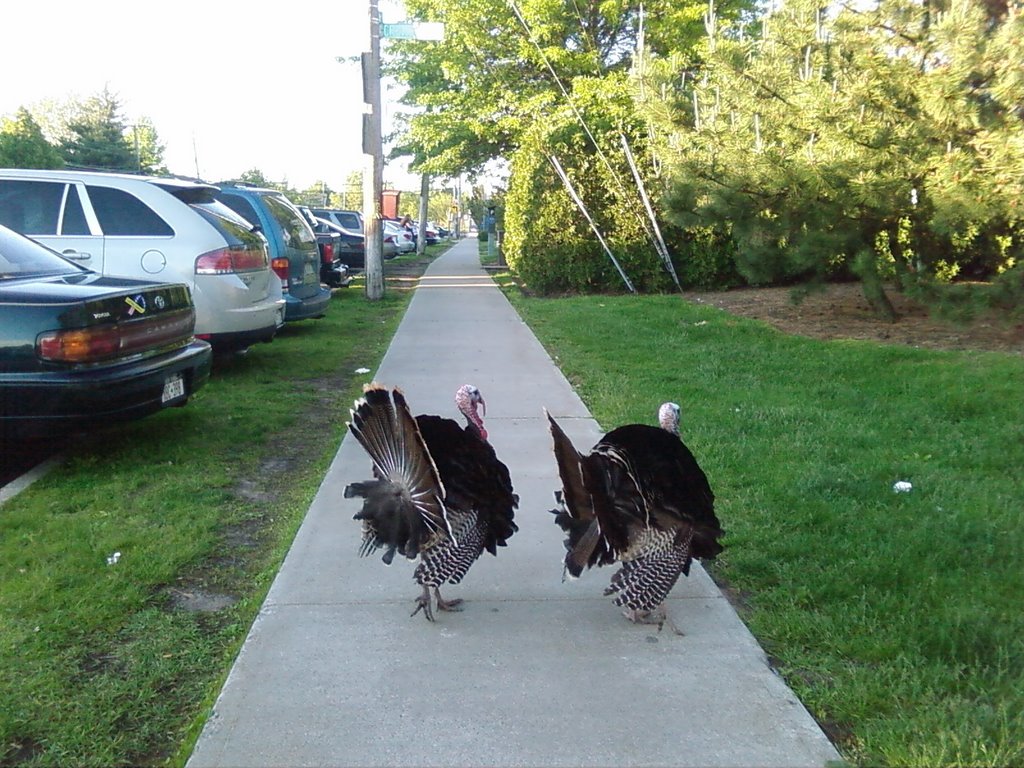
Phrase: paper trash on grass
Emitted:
{"points": [[362, 370], [902, 486], [112, 560]]}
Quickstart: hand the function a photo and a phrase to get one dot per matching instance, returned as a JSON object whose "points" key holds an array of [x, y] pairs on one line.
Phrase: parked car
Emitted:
{"points": [[333, 271], [80, 348], [294, 254], [350, 220], [351, 245], [154, 229], [404, 241]]}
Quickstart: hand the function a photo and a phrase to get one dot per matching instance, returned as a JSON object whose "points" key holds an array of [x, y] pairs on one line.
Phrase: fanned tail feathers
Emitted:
{"points": [[575, 514], [404, 507]]}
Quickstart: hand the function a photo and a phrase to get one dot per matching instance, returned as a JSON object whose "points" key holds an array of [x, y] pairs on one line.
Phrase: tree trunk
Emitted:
{"points": [[866, 267]]}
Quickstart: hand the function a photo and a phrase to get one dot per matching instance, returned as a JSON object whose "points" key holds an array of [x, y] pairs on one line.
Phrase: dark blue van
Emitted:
{"points": [[294, 254]]}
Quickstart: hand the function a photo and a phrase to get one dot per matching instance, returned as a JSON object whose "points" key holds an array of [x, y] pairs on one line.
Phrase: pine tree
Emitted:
{"points": [[884, 143], [97, 136]]}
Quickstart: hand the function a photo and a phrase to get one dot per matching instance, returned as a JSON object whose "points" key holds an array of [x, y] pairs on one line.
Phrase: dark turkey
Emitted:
{"points": [[638, 498], [439, 493]]}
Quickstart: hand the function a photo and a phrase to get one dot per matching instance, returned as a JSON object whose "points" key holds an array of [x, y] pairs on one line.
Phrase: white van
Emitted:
{"points": [[155, 228]]}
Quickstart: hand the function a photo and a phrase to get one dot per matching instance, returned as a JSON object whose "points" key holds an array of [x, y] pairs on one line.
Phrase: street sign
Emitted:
{"points": [[413, 30]]}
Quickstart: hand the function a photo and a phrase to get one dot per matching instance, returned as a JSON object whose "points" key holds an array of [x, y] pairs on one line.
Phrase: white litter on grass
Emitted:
{"points": [[701, 322], [112, 560], [362, 370], [902, 486]]}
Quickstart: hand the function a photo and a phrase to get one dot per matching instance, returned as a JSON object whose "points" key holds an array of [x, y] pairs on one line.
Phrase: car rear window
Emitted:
{"points": [[121, 213], [296, 230], [235, 229], [242, 207]]}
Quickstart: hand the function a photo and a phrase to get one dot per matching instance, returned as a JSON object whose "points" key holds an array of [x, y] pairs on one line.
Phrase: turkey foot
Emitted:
{"points": [[658, 616], [447, 605], [423, 604]]}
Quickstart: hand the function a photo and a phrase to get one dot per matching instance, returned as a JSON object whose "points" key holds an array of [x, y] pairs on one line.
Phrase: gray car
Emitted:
{"points": [[154, 228]]}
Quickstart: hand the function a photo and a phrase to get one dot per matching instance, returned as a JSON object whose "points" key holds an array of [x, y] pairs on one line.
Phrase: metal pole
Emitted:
{"points": [[373, 176]]}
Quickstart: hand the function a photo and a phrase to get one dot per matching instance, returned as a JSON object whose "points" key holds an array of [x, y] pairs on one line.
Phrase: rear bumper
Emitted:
{"points": [[311, 306], [60, 401], [233, 342], [335, 275]]}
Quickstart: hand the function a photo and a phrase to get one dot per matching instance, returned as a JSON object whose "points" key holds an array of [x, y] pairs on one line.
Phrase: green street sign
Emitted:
{"points": [[413, 30]]}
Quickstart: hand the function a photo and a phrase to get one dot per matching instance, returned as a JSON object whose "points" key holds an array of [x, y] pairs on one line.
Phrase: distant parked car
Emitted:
{"points": [[351, 245], [155, 229], [79, 348], [404, 241], [333, 271], [350, 220], [294, 254]]}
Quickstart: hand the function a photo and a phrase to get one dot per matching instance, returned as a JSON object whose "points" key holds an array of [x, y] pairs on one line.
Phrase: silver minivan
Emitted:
{"points": [[165, 229]]}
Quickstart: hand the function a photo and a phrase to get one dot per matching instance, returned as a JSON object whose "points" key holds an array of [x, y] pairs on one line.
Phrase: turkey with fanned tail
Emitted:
{"points": [[638, 498], [439, 493]]}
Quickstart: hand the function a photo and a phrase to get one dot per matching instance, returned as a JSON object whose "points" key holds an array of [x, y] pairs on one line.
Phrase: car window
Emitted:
{"points": [[235, 230], [31, 207], [242, 207], [349, 221], [20, 257], [121, 213], [295, 229], [73, 221]]}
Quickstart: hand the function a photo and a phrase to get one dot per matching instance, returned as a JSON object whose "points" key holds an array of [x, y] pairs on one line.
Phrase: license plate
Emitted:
{"points": [[174, 387]]}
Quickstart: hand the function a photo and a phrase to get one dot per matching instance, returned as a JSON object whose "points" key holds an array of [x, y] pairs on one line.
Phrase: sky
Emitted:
{"points": [[229, 85]]}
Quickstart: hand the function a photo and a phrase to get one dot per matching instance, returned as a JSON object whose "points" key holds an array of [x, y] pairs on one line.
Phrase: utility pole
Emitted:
{"points": [[421, 238], [373, 175]]}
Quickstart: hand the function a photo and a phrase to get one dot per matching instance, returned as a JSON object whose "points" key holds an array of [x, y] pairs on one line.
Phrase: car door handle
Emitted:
{"points": [[77, 255]]}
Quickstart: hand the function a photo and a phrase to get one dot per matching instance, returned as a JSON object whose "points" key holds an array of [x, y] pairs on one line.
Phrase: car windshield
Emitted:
{"points": [[21, 257]]}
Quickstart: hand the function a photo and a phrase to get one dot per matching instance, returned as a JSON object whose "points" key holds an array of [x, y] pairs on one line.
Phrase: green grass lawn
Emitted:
{"points": [[896, 617], [106, 663]]}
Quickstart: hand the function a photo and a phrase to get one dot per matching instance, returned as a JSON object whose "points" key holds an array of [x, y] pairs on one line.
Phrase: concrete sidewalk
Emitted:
{"points": [[533, 671]]}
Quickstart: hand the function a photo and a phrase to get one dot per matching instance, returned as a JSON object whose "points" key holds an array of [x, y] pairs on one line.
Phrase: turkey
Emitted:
{"points": [[439, 493], [638, 498]]}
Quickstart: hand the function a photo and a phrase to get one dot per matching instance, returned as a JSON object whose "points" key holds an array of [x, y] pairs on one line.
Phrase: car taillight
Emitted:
{"points": [[280, 267], [227, 261], [328, 253], [103, 342]]}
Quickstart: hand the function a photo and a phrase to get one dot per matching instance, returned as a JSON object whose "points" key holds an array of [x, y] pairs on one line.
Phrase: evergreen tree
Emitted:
{"points": [[97, 136], [22, 144], [884, 143]]}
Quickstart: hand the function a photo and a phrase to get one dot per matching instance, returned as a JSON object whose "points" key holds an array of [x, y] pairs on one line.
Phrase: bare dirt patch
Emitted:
{"points": [[840, 311]]}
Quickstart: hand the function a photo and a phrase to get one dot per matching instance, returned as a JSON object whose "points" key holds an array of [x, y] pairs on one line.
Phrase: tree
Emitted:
{"points": [[149, 151], [22, 144], [482, 88], [255, 177], [97, 136], [884, 143]]}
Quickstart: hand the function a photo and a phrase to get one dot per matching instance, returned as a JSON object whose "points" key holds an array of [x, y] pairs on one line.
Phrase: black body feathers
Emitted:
{"points": [[637, 497], [439, 491]]}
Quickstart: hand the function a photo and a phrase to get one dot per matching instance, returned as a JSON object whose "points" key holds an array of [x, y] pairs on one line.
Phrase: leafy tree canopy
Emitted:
{"points": [[22, 144], [505, 62]]}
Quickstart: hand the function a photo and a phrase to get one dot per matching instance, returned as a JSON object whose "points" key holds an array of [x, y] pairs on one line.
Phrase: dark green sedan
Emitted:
{"points": [[78, 348]]}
